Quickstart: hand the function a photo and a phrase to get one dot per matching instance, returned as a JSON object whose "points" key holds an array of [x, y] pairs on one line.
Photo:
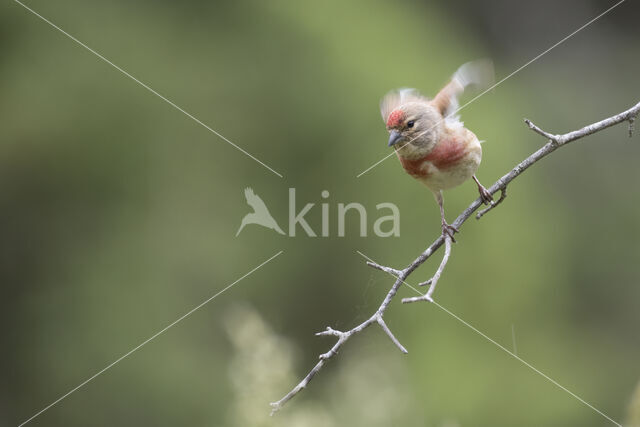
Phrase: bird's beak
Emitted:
{"points": [[394, 137]]}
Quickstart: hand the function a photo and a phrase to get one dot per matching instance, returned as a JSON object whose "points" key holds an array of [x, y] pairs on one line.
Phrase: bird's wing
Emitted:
{"points": [[396, 98], [477, 74], [255, 201]]}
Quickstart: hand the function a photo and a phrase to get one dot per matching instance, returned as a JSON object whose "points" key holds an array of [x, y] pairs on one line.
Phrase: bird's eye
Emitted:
{"points": [[410, 123]]}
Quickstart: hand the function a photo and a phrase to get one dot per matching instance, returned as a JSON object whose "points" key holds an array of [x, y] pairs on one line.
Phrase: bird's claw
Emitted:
{"points": [[449, 230], [486, 197]]}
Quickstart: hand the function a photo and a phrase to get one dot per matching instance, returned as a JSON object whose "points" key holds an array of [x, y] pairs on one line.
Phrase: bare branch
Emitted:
{"points": [[342, 338], [628, 115], [276, 406], [555, 141]]}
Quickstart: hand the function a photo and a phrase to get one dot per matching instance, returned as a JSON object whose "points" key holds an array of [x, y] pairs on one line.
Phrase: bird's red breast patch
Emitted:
{"points": [[414, 167], [447, 153], [395, 118]]}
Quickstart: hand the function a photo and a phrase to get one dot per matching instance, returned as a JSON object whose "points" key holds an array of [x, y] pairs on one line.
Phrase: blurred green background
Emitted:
{"points": [[118, 214]]}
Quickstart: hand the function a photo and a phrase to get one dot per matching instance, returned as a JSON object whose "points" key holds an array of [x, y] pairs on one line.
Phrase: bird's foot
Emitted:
{"points": [[486, 197], [449, 230]]}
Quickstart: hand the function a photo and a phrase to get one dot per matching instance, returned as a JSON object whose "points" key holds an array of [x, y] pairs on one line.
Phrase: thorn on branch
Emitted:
{"points": [[503, 195], [632, 119]]}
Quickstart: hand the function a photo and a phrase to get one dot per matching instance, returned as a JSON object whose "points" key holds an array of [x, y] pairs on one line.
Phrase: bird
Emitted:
{"points": [[260, 214], [431, 141]]}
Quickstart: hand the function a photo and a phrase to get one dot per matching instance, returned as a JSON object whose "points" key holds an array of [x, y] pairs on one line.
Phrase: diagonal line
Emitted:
{"points": [[498, 83], [179, 319], [195, 119], [503, 348], [557, 384]]}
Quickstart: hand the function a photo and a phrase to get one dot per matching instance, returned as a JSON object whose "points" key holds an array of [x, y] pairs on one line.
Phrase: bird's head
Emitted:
{"points": [[414, 128]]}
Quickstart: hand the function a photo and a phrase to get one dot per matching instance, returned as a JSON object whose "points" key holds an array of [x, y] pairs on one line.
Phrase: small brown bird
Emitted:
{"points": [[430, 140]]}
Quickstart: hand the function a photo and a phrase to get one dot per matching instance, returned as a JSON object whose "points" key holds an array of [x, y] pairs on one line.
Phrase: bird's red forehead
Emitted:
{"points": [[395, 118]]}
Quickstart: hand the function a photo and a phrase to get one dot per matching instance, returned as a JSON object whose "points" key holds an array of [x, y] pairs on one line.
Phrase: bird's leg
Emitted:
{"points": [[447, 230], [486, 197]]}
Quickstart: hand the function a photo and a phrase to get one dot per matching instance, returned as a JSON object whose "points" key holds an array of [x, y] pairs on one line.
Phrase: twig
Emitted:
{"points": [[434, 280], [537, 130], [386, 329], [389, 270], [342, 338], [555, 141]]}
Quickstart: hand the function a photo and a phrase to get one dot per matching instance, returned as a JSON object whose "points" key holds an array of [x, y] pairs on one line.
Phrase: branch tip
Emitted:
{"points": [[275, 407], [426, 282], [536, 129], [389, 270], [330, 331], [386, 329]]}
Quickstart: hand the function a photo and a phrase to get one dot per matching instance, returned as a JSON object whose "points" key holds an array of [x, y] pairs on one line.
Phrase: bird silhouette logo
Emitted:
{"points": [[260, 214]]}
